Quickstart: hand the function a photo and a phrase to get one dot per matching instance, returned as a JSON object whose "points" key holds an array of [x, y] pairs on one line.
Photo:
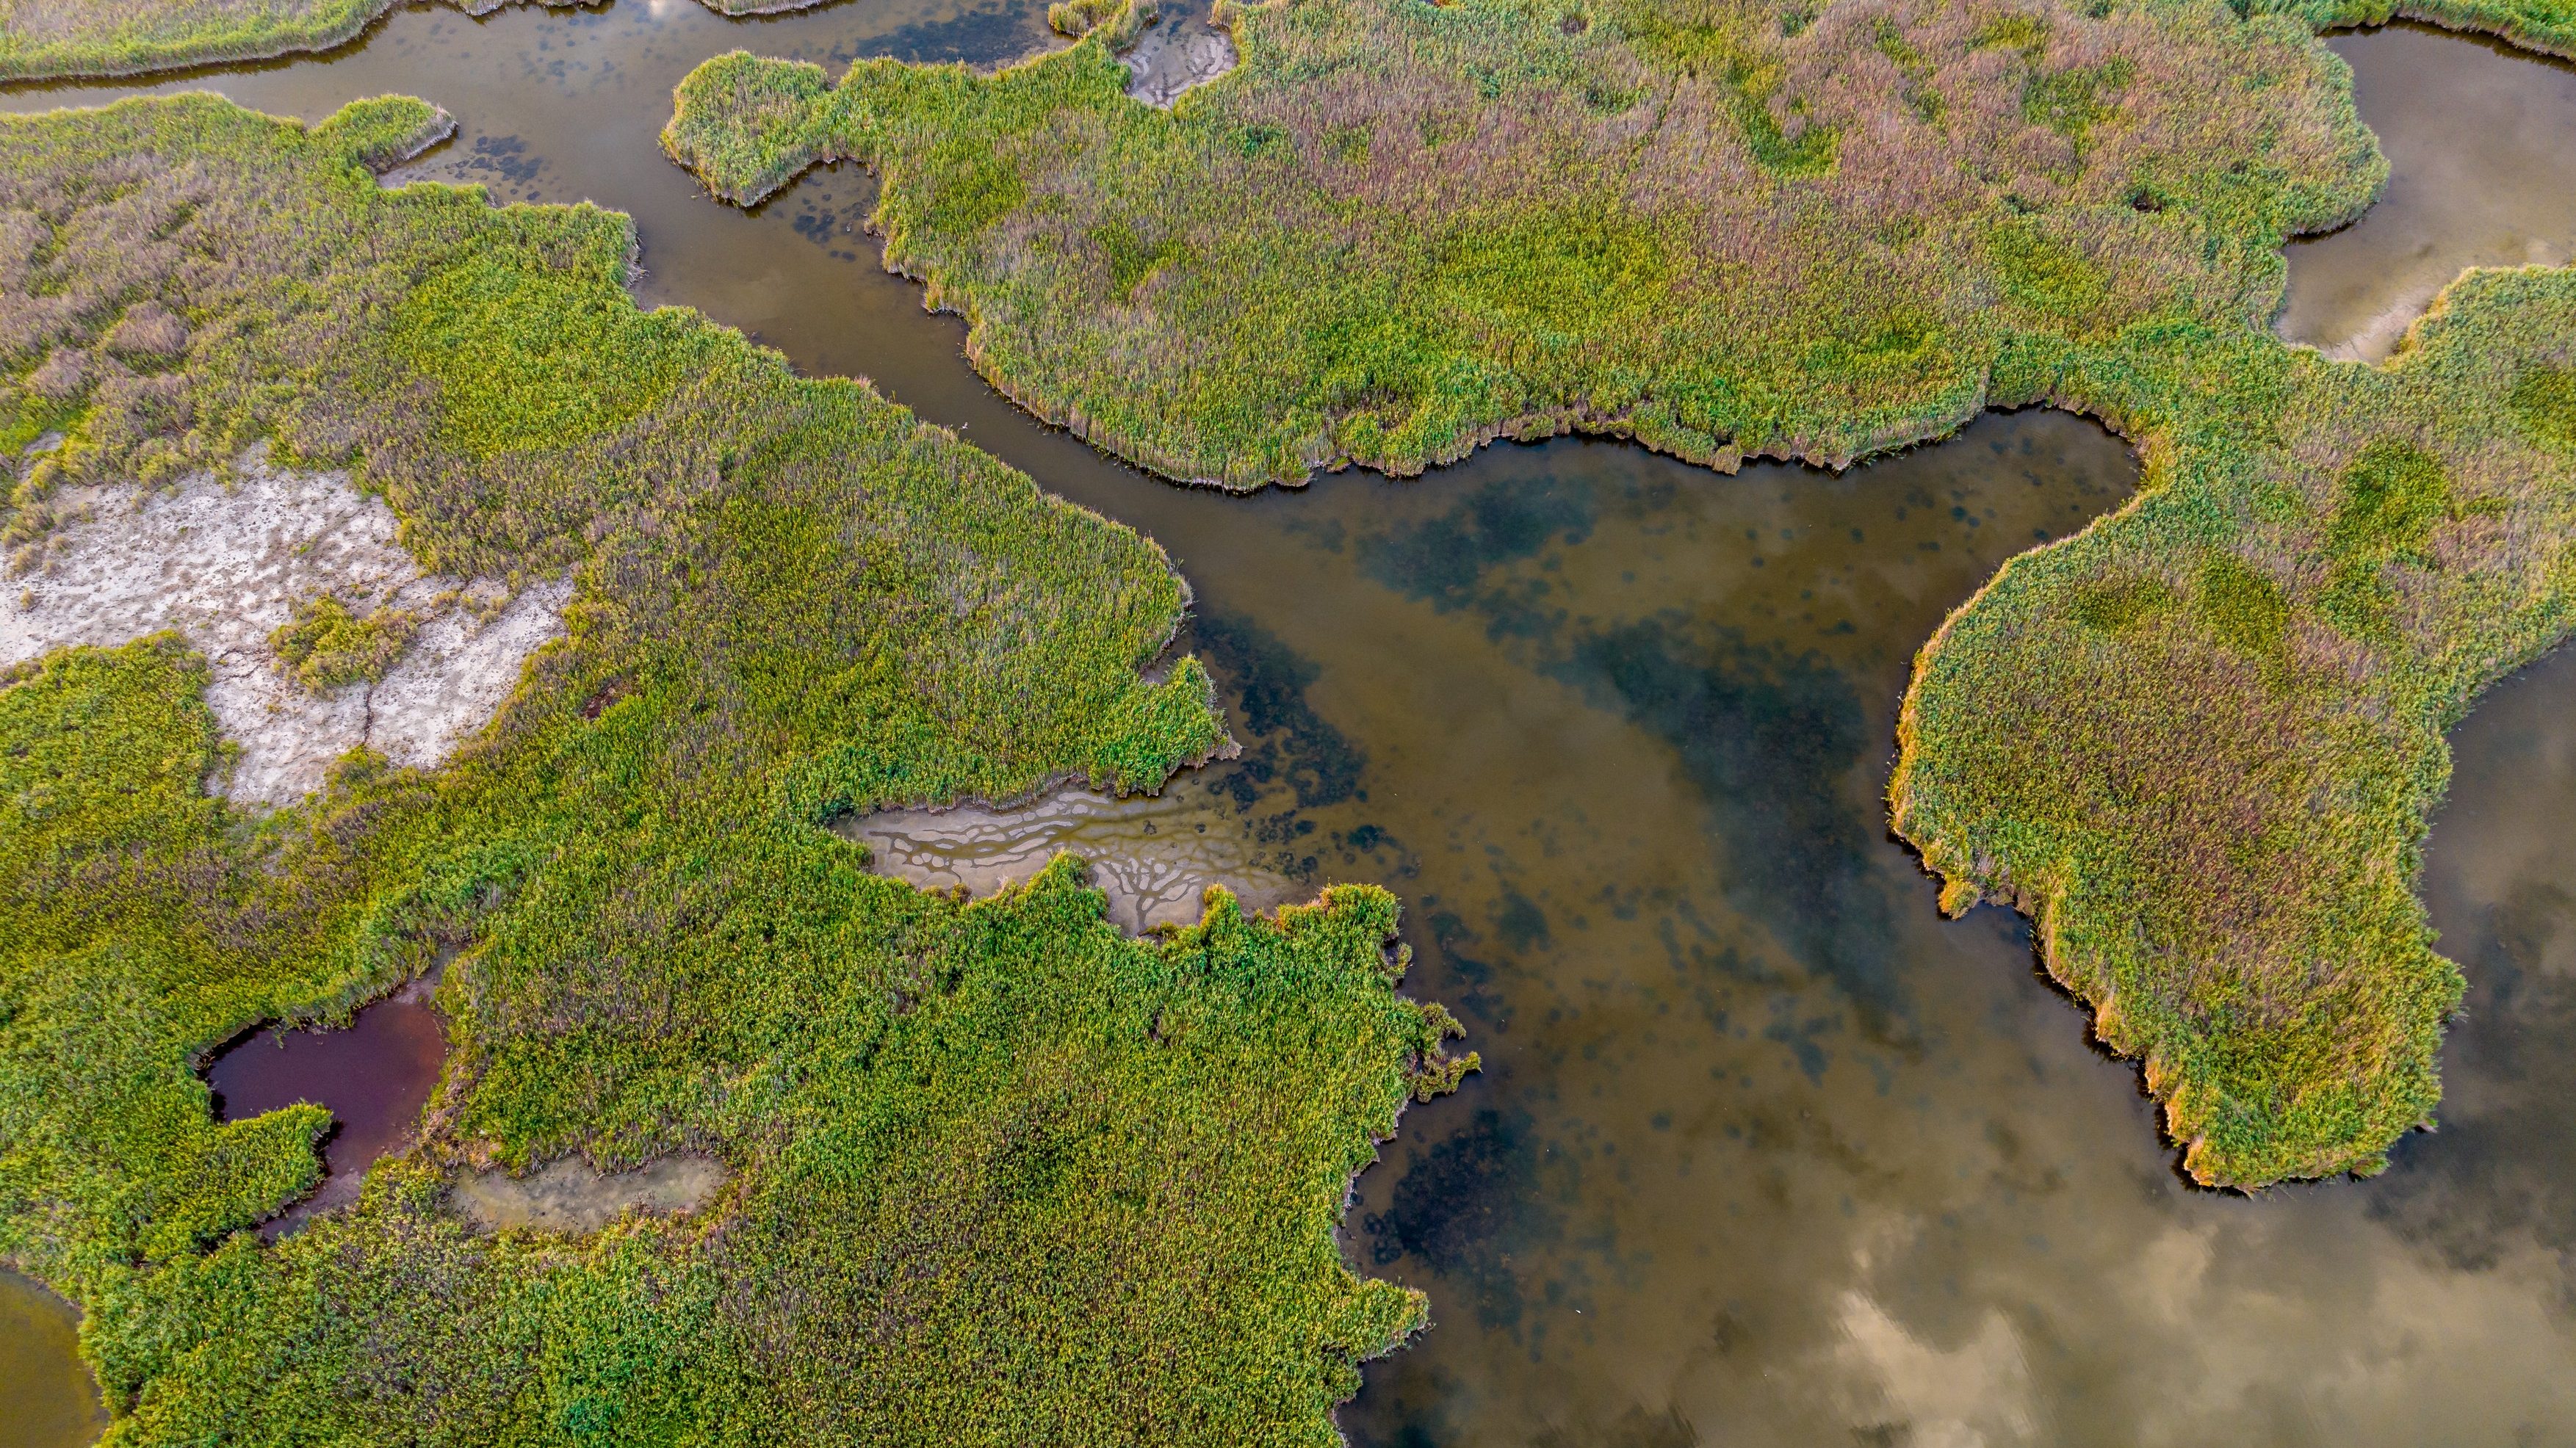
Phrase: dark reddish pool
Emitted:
{"points": [[374, 1078]]}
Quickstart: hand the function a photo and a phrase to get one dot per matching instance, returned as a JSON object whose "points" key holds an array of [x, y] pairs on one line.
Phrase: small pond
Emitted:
{"points": [[374, 1077]]}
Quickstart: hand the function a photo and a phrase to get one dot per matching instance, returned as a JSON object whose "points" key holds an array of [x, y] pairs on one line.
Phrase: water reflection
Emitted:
{"points": [[1765, 1152], [2499, 1180], [50, 1399], [2481, 173]]}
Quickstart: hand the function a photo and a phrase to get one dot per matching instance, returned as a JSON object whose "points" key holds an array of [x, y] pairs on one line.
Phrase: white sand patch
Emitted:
{"points": [[569, 1196], [226, 564]]}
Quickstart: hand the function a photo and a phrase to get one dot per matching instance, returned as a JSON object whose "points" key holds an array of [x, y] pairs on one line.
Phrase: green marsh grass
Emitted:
{"points": [[998, 1172], [1397, 230]]}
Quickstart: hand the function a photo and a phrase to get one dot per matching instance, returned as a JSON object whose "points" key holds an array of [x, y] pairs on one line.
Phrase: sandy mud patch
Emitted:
{"points": [[1173, 54], [227, 564], [571, 1196], [1154, 855]]}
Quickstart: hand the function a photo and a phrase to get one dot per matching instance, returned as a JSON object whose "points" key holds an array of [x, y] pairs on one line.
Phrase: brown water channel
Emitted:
{"points": [[1765, 1152], [2481, 145]]}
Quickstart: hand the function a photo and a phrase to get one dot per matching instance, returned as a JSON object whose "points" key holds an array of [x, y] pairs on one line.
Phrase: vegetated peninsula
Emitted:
{"points": [[2199, 743], [56, 39], [995, 1170]]}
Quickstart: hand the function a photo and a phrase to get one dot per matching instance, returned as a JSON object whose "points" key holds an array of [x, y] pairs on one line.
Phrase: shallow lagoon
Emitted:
{"points": [[1765, 1152]]}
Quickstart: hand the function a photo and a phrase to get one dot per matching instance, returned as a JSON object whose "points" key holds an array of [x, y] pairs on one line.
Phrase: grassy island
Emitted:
{"points": [[2199, 743], [1398, 230], [996, 1171]]}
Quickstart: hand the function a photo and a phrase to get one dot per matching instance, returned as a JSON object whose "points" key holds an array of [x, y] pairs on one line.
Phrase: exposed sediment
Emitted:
{"points": [[226, 562], [571, 1196], [1154, 856], [1176, 54]]}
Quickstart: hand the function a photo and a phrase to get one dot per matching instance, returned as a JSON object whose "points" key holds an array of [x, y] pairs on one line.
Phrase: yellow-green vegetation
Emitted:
{"points": [[48, 39], [1397, 230], [2198, 743], [325, 645], [998, 1173]]}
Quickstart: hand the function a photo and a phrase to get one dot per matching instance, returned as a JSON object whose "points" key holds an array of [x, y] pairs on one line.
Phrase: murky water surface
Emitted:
{"points": [[1765, 1152], [46, 1397], [374, 1077], [2481, 145]]}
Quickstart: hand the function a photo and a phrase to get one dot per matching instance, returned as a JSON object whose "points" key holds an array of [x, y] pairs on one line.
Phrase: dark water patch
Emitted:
{"points": [[1267, 682], [47, 1397], [1468, 1202], [981, 36], [1447, 557], [374, 1078], [1769, 740], [1767, 736], [2481, 146], [1639, 1427]]}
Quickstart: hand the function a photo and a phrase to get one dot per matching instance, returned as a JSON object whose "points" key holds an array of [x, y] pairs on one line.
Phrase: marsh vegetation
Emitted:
{"points": [[791, 601], [1766, 1150], [2199, 745]]}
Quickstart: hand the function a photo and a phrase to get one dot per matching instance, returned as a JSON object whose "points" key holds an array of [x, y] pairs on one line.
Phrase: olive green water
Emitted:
{"points": [[1765, 1152]]}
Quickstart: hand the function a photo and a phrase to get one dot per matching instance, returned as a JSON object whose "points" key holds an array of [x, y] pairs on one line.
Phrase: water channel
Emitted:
{"points": [[2478, 139], [1764, 1151]]}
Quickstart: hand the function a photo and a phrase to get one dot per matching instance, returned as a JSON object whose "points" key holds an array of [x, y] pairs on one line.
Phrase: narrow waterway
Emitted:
{"points": [[1765, 1152], [2481, 145]]}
